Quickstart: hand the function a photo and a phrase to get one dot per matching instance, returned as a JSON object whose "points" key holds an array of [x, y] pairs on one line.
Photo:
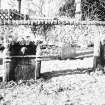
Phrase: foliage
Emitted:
{"points": [[93, 10], [68, 9], [82, 35]]}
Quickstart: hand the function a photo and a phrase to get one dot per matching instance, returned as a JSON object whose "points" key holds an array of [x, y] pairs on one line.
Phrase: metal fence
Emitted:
{"points": [[11, 15]]}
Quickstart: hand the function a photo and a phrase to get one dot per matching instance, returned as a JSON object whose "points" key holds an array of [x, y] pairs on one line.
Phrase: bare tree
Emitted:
{"points": [[93, 10], [13, 4], [68, 9], [33, 7], [41, 8]]}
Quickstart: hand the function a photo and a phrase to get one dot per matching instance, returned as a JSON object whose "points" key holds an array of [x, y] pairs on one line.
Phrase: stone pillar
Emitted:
{"points": [[78, 12], [38, 62]]}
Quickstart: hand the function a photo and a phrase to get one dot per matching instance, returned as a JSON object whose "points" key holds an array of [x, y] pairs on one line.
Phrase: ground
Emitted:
{"points": [[64, 65], [61, 88]]}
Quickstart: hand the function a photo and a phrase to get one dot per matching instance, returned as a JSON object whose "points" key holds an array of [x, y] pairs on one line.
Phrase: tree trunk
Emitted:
{"points": [[0, 4], [78, 13], [19, 6]]}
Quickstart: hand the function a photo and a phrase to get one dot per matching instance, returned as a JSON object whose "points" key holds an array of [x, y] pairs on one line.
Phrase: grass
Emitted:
{"points": [[57, 87]]}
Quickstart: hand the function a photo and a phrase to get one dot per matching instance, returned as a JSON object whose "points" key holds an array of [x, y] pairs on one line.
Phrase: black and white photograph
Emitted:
{"points": [[52, 52]]}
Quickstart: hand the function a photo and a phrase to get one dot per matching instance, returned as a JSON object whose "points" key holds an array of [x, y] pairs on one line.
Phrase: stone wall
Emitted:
{"points": [[65, 34]]}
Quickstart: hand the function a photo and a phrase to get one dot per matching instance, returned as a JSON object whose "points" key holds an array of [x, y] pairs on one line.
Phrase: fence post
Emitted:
{"points": [[6, 63], [4, 55], [37, 63], [4, 66]]}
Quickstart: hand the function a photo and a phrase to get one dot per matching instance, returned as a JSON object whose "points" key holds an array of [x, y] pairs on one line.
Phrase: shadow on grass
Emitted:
{"points": [[49, 75], [85, 53]]}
